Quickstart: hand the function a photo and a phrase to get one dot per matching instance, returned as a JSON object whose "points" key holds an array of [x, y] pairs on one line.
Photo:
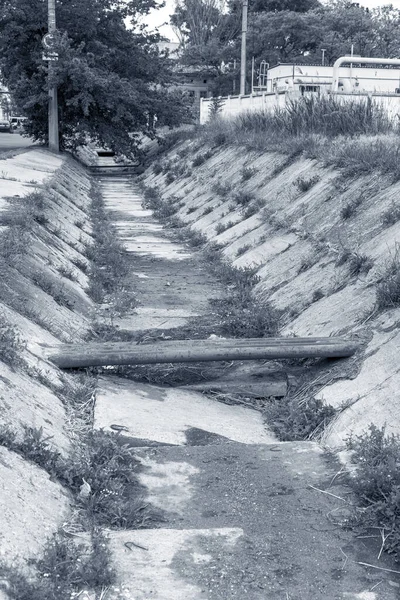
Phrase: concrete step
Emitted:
{"points": [[243, 522], [152, 414]]}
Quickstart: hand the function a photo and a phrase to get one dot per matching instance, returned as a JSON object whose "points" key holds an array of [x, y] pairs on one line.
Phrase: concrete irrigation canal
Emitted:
{"points": [[210, 503], [244, 516]]}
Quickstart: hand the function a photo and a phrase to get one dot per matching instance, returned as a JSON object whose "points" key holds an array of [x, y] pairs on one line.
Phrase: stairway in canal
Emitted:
{"points": [[244, 516]]}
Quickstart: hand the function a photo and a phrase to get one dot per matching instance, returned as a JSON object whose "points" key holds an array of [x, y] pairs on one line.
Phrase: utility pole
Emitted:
{"points": [[243, 49], [53, 101]]}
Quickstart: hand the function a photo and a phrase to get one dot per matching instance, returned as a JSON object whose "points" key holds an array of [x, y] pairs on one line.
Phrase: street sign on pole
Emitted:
{"points": [[50, 56]]}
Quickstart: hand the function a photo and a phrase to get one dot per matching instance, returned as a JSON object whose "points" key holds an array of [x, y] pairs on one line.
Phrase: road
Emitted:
{"points": [[12, 141]]}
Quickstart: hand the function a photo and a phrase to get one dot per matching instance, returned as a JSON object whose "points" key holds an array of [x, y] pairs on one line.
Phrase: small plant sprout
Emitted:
{"points": [[304, 184]]}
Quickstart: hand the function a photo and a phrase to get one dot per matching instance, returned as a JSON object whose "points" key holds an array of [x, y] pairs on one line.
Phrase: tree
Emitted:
{"points": [[387, 31], [207, 36], [111, 80], [256, 6], [284, 36]]}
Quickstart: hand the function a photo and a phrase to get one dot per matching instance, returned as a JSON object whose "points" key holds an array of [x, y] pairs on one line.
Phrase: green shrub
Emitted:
{"points": [[170, 178], [377, 482], [297, 418]]}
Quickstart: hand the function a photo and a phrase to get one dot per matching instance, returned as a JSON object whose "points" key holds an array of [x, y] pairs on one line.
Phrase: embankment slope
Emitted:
{"points": [[322, 243]]}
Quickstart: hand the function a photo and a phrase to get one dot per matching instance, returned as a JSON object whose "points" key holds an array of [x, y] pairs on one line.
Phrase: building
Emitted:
{"points": [[349, 78], [189, 79], [353, 78]]}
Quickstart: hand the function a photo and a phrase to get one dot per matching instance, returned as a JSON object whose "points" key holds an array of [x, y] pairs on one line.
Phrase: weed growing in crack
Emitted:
{"points": [[388, 288], [317, 295], [207, 211], [252, 209], [247, 173], [192, 237], [81, 264], [157, 168], [391, 215], [67, 273], [198, 160], [103, 461], [65, 570], [304, 184], [243, 198], [109, 262], [376, 483], [297, 418], [11, 344], [222, 189], [162, 209], [221, 227], [349, 210], [359, 264], [243, 249], [240, 314], [52, 288]]}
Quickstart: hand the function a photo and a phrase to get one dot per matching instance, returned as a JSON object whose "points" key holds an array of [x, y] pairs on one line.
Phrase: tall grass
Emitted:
{"points": [[324, 116], [357, 136]]}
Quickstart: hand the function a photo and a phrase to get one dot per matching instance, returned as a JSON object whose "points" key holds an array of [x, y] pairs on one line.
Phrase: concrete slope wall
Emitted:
{"points": [[44, 231], [306, 229]]}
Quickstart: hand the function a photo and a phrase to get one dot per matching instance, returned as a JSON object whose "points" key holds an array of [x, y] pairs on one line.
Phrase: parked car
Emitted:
{"points": [[17, 122], [5, 125]]}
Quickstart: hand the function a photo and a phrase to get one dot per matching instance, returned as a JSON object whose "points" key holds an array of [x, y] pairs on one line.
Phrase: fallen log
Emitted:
{"points": [[69, 356]]}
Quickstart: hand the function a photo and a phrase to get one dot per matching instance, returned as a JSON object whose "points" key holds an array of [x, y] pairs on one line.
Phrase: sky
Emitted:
{"points": [[158, 18]]}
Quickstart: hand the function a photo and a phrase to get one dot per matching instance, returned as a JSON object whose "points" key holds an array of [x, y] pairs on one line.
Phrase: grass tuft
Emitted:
{"points": [[11, 344], [65, 570], [377, 483], [297, 418]]}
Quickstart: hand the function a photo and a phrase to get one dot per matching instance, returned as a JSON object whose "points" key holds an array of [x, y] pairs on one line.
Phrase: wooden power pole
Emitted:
{"points": [[53, 101], [243, 49]]}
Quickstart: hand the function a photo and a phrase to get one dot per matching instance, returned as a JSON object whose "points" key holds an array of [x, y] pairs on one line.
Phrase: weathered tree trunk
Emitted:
{"points": [[93, 354]]}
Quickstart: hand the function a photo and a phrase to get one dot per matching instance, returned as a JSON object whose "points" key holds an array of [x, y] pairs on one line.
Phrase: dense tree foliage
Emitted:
{"points": [[112, 80], [286, 31]]}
